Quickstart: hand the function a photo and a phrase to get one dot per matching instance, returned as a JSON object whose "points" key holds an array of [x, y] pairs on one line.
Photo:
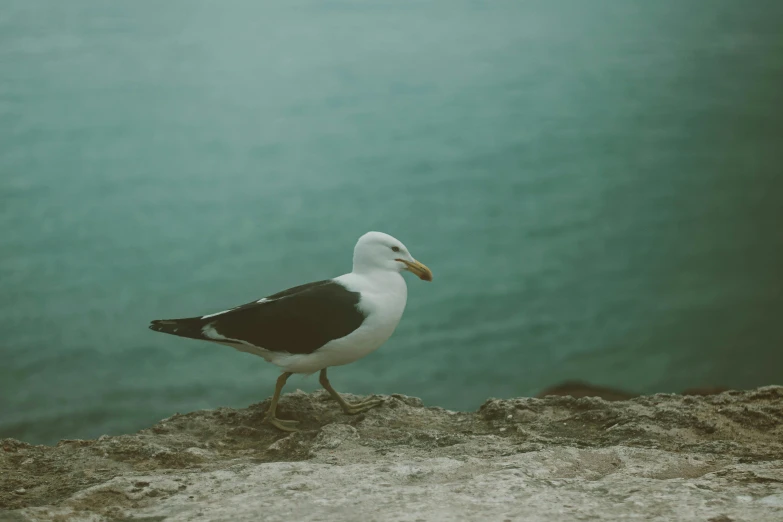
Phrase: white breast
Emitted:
{"points": [[383, 300]]}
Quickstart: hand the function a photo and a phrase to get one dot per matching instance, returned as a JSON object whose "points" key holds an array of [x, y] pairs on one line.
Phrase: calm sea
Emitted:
{"points": [[597, 187]]}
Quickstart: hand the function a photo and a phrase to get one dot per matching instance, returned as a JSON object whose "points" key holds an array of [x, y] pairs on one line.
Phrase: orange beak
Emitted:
{"points": [[419, 269]]}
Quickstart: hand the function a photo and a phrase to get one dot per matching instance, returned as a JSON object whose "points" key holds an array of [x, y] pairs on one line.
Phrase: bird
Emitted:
{"points": [[315, 326]]}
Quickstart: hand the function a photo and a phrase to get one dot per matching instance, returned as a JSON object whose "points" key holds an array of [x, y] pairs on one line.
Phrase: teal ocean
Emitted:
{"points": [[597, 187]]}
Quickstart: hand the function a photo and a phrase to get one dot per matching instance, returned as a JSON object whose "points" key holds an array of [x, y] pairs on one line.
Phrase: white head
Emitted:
{"points": [[379, 251]]}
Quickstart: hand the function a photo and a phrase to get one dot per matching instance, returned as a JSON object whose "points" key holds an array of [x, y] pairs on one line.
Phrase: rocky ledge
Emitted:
{"points": [[662, 457]]}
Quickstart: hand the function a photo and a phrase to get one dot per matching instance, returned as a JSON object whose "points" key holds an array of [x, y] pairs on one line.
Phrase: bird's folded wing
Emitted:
{"points": [[298, 320]]}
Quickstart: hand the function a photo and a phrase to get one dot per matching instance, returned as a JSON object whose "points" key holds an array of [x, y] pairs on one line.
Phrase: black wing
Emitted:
{"points": [[298, 320]]}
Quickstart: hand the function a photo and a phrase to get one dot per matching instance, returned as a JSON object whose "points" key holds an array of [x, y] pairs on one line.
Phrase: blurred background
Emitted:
{"points": [[597, 187]]}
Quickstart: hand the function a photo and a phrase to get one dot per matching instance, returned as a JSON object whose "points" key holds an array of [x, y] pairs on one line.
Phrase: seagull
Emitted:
{"points": [[315, 326]]}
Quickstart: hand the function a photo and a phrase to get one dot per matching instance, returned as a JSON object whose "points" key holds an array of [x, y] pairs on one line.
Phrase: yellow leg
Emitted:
{"points": [[270, 417], [350, 409]]}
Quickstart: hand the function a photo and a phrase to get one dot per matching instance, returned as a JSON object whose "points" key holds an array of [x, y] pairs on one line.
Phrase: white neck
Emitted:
{"points": [[378, 281]]}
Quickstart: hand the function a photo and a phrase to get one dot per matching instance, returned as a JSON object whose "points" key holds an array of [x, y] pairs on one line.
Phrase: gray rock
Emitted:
{"points": [[655, 458]]}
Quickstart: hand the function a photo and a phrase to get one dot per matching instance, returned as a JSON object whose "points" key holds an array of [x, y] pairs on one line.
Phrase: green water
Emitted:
{"points": [[597, 187]]}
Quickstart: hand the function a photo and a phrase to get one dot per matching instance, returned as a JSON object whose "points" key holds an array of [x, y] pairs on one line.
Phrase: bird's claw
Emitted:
{"points": [[284, 425], [359, 407]]}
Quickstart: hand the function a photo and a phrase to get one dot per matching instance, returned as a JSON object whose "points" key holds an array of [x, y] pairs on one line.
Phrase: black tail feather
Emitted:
{"points": [[189, 327]]}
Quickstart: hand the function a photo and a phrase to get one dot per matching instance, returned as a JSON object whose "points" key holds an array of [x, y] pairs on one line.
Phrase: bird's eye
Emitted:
{"points": [[395, 249]]}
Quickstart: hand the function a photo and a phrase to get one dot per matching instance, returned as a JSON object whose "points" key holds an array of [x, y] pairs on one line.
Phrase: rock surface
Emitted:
{"points": [[579, 389], [661, 457]]}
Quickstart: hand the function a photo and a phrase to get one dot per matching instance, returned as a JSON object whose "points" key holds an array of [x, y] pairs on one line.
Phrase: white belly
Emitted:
{"points": [[383, 304]]}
